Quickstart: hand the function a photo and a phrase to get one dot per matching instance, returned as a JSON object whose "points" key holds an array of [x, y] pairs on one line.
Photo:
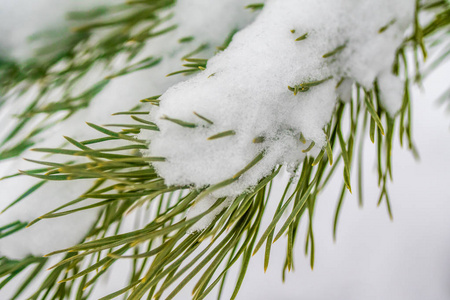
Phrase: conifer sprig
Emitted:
{"points": [[164, 254]]}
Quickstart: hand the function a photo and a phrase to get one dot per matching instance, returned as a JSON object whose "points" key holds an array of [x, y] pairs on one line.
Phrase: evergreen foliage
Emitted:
{"points": [[164, 253]]}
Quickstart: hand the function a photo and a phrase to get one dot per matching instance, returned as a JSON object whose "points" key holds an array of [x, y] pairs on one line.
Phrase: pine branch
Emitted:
{"points": [[164, 254]]}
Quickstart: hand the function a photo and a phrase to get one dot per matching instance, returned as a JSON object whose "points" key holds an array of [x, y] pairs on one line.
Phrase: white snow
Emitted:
{"points": [[245, 89], [120, 95]]}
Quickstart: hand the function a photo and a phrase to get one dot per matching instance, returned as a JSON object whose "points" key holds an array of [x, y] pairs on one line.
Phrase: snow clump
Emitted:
{"points": [[244, 94]]}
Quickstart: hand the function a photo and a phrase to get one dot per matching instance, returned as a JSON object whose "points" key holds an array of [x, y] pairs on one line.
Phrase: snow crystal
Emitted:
{"points": [[244, 90]]}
